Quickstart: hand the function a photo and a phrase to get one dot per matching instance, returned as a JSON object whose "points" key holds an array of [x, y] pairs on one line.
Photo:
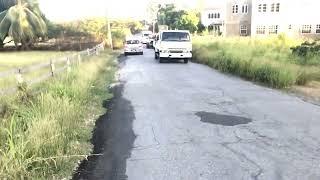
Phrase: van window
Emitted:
{"points": [[175, 36]]}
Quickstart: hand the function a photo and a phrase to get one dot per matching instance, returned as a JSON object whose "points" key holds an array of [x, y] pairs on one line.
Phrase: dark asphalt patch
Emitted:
{"points": [[220, 119], [113, 137]]}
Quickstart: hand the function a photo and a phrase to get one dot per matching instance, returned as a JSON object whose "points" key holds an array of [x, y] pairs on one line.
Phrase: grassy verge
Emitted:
{"points": [[9, 60], [268, 61], [43, 136]]}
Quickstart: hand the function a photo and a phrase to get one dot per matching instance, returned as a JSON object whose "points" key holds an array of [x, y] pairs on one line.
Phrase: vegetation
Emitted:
{"points": [[308, 52], [268, 61], [23, 21], [95, 29], [43, 136], [178, 19], [9, 60]]}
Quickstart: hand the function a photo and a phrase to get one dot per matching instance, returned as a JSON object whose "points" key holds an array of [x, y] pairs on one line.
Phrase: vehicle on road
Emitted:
{"points": [[133, 46], [146, 37], [151, 41], [173, 44]]}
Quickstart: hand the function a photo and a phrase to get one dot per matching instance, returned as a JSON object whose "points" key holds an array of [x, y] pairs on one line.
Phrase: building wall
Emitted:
{"points": [[206, 21], [235, 19], [292, 16]]}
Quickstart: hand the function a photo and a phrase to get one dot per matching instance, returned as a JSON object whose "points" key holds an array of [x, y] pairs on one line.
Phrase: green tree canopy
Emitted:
{"points": [[189, 21], [178, 19]]}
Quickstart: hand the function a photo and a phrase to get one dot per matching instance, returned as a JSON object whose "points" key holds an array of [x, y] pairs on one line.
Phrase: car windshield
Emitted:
{"points": [[175, 36], [132, 42], [146, 35]]}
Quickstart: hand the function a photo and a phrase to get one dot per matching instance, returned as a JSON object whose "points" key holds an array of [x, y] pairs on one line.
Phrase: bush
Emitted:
{"points": [[268, 61], [307, 52], [118, 37]]}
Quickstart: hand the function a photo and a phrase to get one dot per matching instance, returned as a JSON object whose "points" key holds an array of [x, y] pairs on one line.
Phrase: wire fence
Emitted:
{"points": [[45, 70]]}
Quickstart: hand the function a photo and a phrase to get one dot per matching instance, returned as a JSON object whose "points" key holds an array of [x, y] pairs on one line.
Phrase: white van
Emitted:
{"points": [[173, 44]]}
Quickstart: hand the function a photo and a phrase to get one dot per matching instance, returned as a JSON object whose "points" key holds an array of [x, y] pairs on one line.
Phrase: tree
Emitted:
{"points": [[178, 19], [168, 15], [189, 21], [23, 21]]}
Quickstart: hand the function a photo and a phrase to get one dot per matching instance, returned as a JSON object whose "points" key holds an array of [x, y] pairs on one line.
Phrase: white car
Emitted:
{"points": [[133, 46], [173, 44]]}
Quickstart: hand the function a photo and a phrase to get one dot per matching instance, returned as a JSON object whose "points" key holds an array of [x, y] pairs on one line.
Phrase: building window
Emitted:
{"points": [[260, 8], [235, 9], [290, 27], [273, 29], [278, 7], [245, 8], [318, 28], [218, 15], [243, 30], [272, 7], [306, 29], [264, 8], [261, 29]]}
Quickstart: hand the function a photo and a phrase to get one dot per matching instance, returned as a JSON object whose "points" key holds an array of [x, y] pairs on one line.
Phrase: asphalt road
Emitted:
{"points": [[194, 123]]}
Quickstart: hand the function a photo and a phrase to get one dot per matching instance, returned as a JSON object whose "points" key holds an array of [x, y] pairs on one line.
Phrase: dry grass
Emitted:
{"points": [[9, 60]]}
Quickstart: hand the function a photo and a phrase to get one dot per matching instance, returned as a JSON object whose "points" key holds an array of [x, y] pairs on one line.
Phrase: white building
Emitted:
{"points": [[299, 18]]}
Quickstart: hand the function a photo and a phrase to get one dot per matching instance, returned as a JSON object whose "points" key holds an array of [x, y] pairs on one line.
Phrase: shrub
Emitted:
{"points": [[268, 61]]}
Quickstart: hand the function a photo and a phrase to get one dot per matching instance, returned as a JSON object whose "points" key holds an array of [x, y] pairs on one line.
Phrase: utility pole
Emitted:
{"points": [[109, 30]]}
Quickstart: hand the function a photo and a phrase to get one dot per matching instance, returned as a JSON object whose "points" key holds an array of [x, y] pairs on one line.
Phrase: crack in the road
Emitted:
{"points": [[154, 136], [241, 155]]}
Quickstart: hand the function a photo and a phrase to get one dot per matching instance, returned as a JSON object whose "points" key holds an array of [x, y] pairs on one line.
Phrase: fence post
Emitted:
{"points": [[19, 76], [88, 51], [79, 59], [52, 67], [97, 51], [68, 65]]}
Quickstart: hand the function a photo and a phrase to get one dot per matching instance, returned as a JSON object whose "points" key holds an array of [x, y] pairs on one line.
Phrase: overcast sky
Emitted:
{"points": [[62, 10]]}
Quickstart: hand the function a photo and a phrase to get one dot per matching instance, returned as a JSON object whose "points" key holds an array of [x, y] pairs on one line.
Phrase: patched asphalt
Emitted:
{"points": [[176, 121]]}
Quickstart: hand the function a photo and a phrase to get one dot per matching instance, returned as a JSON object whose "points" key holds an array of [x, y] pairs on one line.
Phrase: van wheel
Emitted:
{"points": [[125, 54], [156, 55], [186, 61], [161, 60]]}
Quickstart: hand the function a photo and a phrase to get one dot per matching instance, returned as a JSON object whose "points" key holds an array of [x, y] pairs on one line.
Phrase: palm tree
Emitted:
{"points": [[23, 22]]}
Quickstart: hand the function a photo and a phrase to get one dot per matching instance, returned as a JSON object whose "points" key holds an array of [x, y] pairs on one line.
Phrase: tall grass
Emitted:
{"points": [[268, 61], [43, 136]]}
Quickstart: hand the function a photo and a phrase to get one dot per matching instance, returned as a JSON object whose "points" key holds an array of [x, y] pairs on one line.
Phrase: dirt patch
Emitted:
{"points": [[113, 137], [310, 92], [220, 119]]}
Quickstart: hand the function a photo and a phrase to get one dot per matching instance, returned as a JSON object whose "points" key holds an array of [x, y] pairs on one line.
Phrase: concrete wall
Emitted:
{"points": [[234, 20]]}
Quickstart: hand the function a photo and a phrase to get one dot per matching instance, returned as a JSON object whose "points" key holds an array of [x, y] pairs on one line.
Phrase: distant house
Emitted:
{"points": [[258, 18]]}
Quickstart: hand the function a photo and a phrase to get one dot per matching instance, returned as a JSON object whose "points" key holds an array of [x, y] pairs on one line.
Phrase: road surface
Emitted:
{"points": [[191, 122]]}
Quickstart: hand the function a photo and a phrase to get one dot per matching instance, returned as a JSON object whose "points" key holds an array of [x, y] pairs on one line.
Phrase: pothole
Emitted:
{"points": [[221, 119]]}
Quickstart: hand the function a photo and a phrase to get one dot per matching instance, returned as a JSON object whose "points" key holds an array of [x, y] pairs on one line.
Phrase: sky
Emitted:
{"points": [[64, 10]]}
